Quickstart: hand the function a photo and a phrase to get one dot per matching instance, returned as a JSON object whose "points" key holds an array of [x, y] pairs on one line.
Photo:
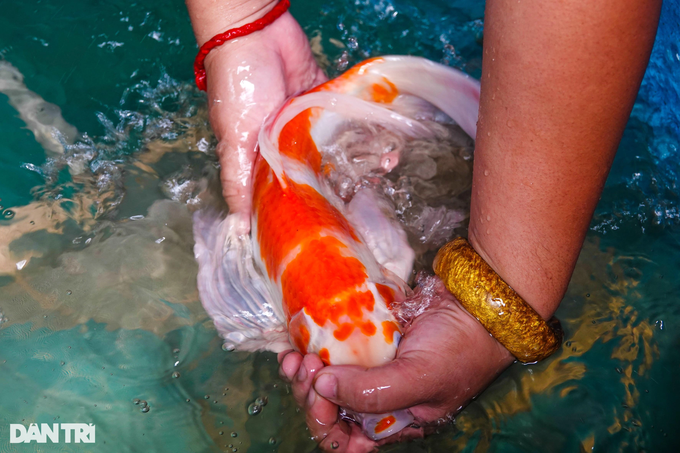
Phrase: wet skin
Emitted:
{"points": [[422, 378]]}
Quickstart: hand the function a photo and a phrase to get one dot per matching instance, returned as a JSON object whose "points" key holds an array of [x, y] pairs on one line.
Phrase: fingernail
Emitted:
{"points": [[311, 398], [327, 386], [302, 373]]}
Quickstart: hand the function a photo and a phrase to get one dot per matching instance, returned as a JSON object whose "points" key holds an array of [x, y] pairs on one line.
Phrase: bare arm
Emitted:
{"points": [[210, 17], [558, 83]]}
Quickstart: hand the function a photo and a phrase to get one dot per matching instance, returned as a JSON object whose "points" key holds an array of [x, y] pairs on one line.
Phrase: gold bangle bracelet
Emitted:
{"points": [[484, 294]]}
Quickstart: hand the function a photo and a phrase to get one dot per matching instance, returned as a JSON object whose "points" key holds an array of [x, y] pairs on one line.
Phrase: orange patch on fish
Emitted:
{"points": [[325, 356], [384, 93], [339, 84], [386, 293], [344, 331], [296, 142], [389, 327], [385, 423], [368, 329], [324, 283], [290, 217], [300, 337]]}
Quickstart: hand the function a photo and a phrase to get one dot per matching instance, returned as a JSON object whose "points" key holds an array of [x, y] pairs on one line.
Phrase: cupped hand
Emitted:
{"points": [[445, 358], [247, 79]]}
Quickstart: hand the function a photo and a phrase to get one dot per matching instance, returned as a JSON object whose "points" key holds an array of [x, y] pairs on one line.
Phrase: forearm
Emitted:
{"points": [[558, 83], [210, 17]]}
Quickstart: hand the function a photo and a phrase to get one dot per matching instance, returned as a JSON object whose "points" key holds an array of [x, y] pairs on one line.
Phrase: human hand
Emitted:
{"points": [[445, 358], [247, 79]]}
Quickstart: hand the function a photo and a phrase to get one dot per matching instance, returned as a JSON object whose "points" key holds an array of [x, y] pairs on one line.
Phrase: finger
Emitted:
{"points": [[290, 364], [348, 438], [322, 417], [320, 77], [302, 382], [236, 169], [281, 355], [400, 384]]}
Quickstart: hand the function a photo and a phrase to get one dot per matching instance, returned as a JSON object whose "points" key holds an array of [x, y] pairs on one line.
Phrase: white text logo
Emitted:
{"points": [[72, 432]]}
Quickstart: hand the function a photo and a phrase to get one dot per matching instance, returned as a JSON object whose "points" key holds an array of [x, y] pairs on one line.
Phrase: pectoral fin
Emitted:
{"points": [[374, 219], [232, 291]]}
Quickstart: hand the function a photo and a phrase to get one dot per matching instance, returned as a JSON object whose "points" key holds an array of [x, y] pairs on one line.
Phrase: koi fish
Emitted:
{"points": [[315, 272]]}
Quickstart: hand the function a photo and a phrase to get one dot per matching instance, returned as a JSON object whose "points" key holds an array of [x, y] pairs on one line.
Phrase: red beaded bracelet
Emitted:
{"points": [[218, 40]]}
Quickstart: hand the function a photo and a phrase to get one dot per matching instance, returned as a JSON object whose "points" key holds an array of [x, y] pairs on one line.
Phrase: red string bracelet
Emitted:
{"points": [[218, 40]]}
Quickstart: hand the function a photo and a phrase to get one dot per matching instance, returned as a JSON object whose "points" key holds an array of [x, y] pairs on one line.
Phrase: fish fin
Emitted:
{"points": [[374, 219], [450, 90], [232, 290]]}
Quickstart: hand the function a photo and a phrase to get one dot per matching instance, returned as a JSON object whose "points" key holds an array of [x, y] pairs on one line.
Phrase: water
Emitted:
{"points": [[104, 309]]}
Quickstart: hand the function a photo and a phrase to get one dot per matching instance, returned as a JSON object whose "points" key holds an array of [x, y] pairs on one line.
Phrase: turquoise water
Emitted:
{"points": [[105, 309]]}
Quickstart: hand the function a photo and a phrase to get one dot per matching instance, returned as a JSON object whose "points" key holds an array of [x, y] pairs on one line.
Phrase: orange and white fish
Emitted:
{"points": [[316, 272]]}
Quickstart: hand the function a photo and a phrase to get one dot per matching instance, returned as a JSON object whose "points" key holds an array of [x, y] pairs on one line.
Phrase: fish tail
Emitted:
{"points": [[450, 90]]}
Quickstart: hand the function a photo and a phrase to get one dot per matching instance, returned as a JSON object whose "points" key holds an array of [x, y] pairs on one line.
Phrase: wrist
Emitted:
{"points": [[209, 17], [545, 301], [484, 345]]}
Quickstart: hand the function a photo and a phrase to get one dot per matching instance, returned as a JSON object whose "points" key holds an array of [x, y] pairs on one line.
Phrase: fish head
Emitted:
{"points": [[360, 329]]}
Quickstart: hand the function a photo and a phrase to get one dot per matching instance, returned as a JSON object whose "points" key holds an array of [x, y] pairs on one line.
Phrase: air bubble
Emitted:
{"points": [[136, 401], [234, 434], [145, 409], [8, 214], [272, 441], [69, 292], [254, 409], [262, 400], [176, 374], [335, 445], [228, 347]]}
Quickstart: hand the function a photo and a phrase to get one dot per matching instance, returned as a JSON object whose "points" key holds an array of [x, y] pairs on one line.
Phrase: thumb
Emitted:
{"points": [[399, 384], [236, 169]]}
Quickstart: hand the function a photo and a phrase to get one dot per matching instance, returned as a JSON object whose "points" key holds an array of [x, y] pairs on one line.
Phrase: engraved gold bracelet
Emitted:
{"points": [[484, 294]]}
